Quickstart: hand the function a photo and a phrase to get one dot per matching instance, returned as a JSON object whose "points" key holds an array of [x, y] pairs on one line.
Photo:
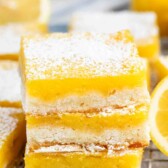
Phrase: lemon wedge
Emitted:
{"points": [[158, 116]]}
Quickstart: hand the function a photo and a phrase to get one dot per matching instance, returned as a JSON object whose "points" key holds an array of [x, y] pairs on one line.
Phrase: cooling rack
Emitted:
{"points": [[153, 158]]}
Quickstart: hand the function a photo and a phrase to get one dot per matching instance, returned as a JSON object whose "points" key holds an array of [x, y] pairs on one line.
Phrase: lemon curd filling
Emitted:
{"points": [[51, 90], [149, 50], [130, 159], [13, 146], [93, 122], [13, 138]]}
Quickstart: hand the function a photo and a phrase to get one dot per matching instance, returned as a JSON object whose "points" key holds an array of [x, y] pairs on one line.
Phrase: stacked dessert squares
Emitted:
{"points": [[86, 100], [17, 18], [12, 119], [12, 136], [143, 26]]}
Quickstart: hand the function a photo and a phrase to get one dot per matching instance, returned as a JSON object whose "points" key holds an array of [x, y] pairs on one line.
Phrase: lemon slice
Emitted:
{"points": [[160, 65], [158, 116], [24, 11]]}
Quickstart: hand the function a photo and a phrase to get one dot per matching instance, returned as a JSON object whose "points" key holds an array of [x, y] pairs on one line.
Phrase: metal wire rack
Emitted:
{"points": [[153, 158]]}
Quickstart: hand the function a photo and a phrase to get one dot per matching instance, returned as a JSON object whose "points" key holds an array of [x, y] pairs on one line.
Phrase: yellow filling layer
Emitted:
{"points": [[76, 160], [51, 90], [14, 143], [149, 50], [85, 122]]}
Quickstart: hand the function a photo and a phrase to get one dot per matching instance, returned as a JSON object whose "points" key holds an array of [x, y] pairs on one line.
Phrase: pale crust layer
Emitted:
{"points": [[93, 102], [46, 136]]}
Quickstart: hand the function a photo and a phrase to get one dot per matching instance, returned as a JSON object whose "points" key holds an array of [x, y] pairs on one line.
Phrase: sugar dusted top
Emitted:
{"points": [[142, 25], [82, 55], [9, 82], [10, 36], [8, 122]]}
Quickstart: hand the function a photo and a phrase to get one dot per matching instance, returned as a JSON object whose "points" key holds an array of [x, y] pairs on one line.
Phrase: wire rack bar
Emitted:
{"points": [[153, 158]]}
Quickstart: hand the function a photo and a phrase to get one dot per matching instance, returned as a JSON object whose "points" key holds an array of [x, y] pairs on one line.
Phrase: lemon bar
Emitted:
{"points": [[12, 135], [74, 156], [10, 95], [34, 11], [10, 36], [123, 128], [161, 9], [81, 72], [143, 27]]}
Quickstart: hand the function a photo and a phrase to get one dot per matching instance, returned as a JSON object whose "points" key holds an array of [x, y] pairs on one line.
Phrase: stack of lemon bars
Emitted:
{"points": [[17, 18], [12, 119], [86, 100]]}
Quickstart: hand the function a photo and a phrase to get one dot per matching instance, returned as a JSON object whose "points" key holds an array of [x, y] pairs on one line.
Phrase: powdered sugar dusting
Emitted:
{"points": [[142, 25], [79, 55], [9, 82], [10, 36], [7, 122]]}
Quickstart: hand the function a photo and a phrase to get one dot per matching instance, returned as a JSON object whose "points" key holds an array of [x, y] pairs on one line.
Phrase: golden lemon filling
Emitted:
{"points": [[149, 50], [51, 90], [94, 122], [127, 159], [13, 138]]}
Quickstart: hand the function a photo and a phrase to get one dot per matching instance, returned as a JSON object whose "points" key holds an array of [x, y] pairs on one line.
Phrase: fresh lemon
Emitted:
{"points": [[158, 116]]}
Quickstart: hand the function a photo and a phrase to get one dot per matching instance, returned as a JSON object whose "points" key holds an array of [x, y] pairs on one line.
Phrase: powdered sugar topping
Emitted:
{"points": [[7, 122], [142, 25], [10, 36], [9, 82], [74, 55]]}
